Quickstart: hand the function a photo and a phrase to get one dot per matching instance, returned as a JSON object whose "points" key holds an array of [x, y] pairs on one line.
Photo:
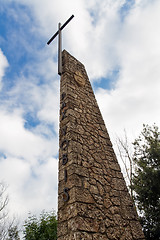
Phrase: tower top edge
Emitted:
{"points": [[67, 56]]}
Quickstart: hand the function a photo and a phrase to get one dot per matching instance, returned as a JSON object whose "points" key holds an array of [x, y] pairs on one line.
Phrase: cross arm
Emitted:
{"points": [[55, 35]]}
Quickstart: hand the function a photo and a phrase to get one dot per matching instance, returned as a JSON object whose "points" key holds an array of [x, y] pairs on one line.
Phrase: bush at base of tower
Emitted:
{"points": [[44, 227]]}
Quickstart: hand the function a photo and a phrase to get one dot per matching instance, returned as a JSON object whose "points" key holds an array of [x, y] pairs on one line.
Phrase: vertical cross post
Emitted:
{"points": [[59, 33], [59, 50]]}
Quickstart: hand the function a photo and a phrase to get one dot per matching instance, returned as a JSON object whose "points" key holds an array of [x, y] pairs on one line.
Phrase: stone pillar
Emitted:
{"points": [[93, 200]]}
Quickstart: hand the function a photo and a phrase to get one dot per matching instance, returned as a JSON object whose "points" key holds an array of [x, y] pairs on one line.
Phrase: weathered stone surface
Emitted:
{"points": [[93, 201]]}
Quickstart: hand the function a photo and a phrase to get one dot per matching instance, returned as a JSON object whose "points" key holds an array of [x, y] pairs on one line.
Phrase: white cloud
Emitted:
{"points": [[27, 166], [49, 111], [135, 99], [3, 65], [30, 188], [18, 141]]}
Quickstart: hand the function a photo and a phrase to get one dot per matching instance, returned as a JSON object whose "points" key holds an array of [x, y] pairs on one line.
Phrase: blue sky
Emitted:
{"points": [[117, 41]]}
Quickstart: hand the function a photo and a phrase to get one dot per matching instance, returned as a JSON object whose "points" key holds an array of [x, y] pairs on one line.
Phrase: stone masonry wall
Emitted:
{"points": [[93, 201]]}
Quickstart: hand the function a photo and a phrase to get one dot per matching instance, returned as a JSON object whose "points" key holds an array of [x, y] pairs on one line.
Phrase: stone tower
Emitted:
{"points": [[93, 200]]}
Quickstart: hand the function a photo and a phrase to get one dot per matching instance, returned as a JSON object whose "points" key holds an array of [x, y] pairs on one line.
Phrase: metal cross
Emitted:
{"points": [[60, 43]]}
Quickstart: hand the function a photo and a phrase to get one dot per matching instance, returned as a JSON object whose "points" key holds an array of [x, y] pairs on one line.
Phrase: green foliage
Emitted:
{"points": [[146, 180], [44, 228], [13, 233]]}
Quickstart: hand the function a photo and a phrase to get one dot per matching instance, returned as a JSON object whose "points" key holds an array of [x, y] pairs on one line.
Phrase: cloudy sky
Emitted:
{"points": [[119, 43]]}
